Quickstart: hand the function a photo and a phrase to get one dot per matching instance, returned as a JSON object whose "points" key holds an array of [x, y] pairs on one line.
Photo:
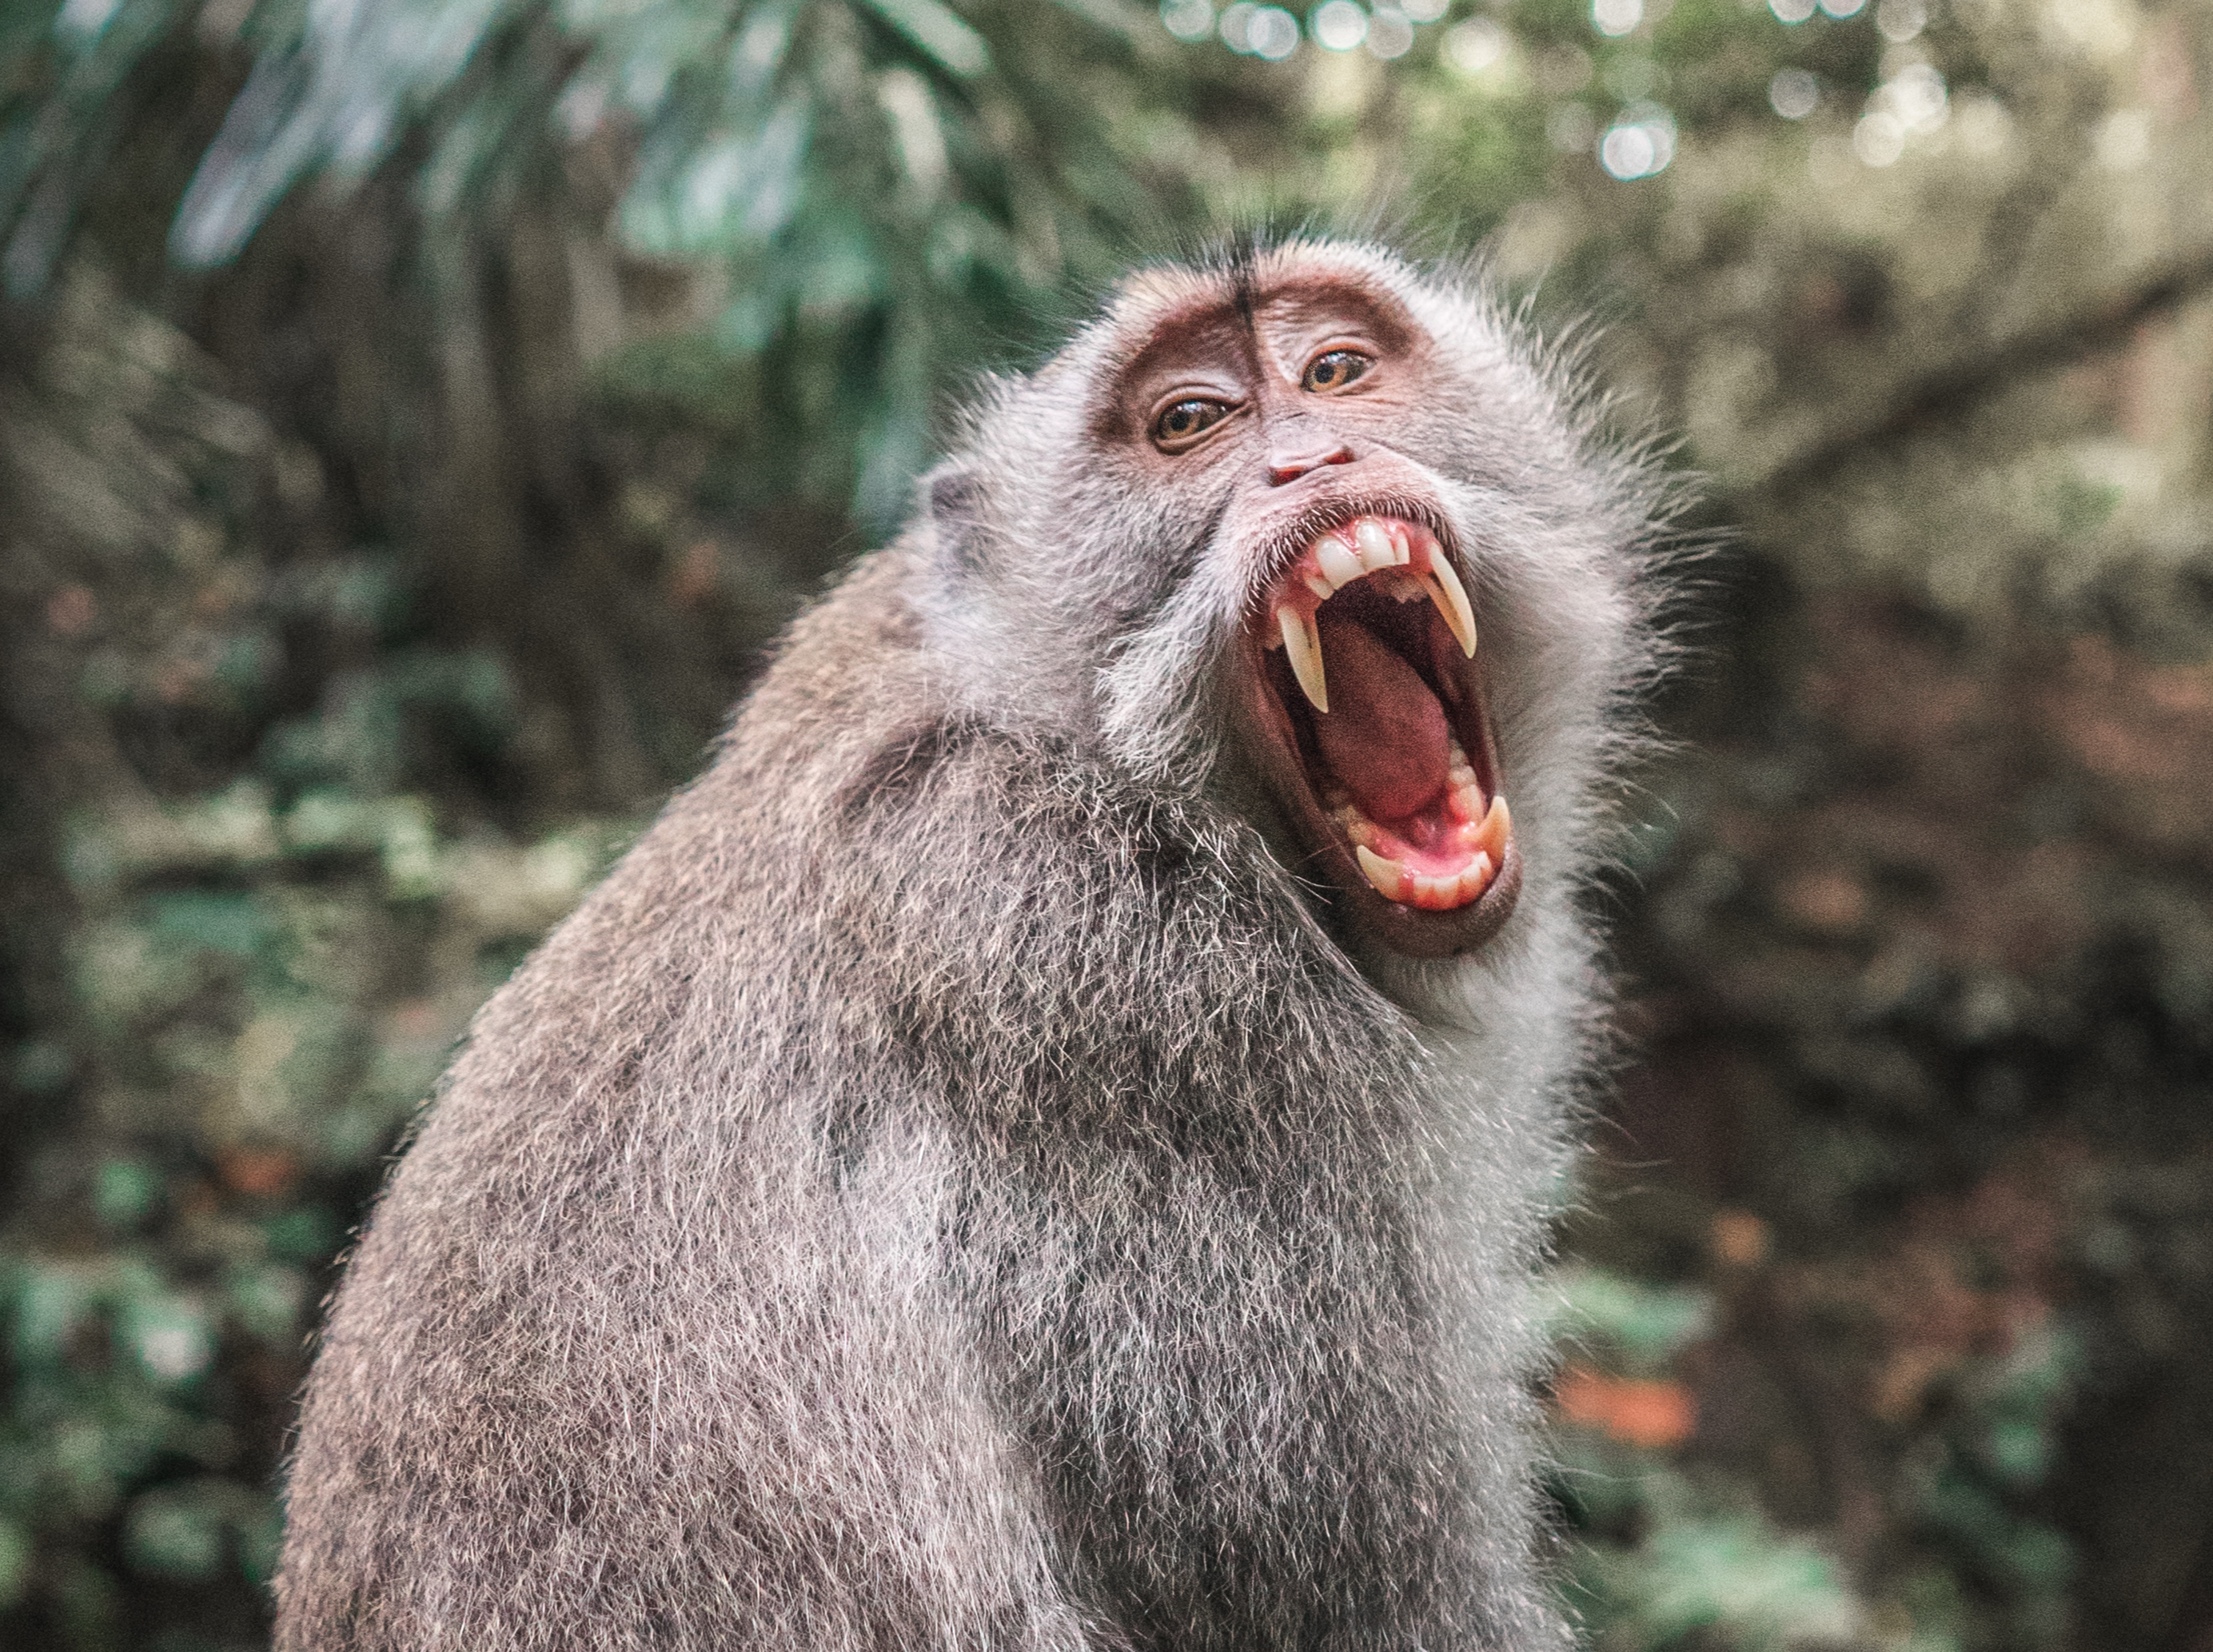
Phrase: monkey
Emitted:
{"points": [[1048, 1142]]}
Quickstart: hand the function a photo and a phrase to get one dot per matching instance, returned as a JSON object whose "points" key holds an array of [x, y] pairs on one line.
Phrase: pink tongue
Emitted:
{"points": [[1384, 734]]}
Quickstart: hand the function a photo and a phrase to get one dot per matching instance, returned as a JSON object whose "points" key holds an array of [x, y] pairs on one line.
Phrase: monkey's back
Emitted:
{"points": [[934, 1193]]}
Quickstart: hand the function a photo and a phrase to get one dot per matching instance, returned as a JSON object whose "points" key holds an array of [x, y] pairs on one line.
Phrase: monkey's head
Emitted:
{"points": [[1327, 539]]}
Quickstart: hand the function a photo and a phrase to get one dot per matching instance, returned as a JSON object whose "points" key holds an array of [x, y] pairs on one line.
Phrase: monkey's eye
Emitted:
{"points": [[1335, 368], [1179, 422]]}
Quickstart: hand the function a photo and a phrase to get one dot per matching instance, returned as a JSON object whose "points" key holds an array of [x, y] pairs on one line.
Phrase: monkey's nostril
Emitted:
{"points": [[1290, 466]]}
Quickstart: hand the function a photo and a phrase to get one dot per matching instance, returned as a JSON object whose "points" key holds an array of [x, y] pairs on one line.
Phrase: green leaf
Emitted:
{"points": [[124, 1190], [938, 32], [176, 1533], [14, 1562], [1647, 1323]]}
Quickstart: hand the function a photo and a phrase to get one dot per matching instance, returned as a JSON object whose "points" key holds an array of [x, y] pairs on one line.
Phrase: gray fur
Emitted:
{"points": [[949, 1188]]}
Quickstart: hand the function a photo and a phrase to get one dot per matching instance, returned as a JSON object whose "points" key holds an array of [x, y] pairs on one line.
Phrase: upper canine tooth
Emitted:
{"points": [[1452, 602], [1374, 546], [1302, 648], [1337, 562]]}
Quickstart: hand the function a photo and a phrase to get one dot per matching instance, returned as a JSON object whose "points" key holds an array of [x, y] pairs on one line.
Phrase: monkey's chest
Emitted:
{"points": [[1236, 1391]]}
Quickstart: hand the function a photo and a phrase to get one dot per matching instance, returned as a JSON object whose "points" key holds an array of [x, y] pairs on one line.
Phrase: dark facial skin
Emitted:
{"points": [[1284, 413], [1255, 376]]}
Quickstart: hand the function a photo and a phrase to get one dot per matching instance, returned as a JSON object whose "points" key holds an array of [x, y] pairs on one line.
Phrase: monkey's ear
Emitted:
{"points": [[952, 504]]}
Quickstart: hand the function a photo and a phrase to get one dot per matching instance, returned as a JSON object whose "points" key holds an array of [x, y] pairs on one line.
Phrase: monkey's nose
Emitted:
{"points": [[1288, 466]]}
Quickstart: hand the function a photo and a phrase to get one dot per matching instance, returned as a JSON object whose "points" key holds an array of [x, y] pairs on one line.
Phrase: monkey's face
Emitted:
{"points": [[1250, 528], [1294, 404]]}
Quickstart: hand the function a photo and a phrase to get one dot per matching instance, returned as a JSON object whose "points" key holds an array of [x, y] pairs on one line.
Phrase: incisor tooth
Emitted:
{"points": [[1337, 562], [1302, 648], [1452, 602], [1387, 875], [1374, 546]]}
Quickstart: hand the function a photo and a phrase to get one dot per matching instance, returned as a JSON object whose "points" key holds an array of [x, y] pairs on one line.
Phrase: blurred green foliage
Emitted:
{"points": [[414, 419]]}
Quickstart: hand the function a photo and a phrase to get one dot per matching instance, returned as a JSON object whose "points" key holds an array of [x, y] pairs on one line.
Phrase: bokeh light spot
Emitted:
{"points": [[1188, 20], [1616, 17], [1271, 33], [1340, 25], [1627, 152], [1791, 11], [1917, 96], [1880, 139], [1474, 45], [1984, 127], [1794, 93], [1389, 34], [1901, 20], [1640, 143]]}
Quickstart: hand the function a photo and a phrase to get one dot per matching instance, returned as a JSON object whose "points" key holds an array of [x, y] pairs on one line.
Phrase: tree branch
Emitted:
{"points": [[1953, 390]]}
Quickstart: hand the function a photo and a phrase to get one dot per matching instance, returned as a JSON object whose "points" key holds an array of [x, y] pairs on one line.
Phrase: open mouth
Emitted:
{"points": [[1367, 648]]}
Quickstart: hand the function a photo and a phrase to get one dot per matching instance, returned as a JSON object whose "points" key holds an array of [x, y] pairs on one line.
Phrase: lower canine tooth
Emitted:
{"points": [[1387, 875], [1497, 828], [1302, 648]]}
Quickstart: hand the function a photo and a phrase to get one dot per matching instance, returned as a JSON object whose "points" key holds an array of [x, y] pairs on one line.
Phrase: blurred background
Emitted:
{"points": [[415, 417]]}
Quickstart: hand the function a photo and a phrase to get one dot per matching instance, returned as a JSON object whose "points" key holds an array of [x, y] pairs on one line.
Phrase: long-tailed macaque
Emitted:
{"points": [[1045, 1144]]}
